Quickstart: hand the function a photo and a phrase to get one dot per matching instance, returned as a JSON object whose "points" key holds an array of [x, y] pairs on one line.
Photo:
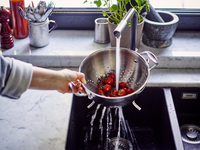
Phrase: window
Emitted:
{"points": [[191, 4], [76, 15], [188, 4], [59, 3]]}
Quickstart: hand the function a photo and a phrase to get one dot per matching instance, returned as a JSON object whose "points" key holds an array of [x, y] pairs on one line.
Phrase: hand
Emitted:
{"points": [[72, 76]]}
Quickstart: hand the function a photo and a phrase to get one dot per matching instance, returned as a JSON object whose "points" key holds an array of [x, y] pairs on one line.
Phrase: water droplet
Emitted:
{"points": [[135, 61]]}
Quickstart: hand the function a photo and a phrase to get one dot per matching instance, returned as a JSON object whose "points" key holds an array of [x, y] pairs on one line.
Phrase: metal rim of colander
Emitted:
{"points": [[190, 128], [93, 94]]}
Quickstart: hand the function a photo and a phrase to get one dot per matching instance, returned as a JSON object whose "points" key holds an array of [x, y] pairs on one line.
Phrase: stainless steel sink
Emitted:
{"points": [[155, 126]]}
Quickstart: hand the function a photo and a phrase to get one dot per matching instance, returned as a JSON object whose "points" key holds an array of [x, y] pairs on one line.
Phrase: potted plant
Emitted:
{"points": [[117, 13]]}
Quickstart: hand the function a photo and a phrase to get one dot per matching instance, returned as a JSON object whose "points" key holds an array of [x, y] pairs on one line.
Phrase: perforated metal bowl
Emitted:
{"points": [[134, 70]]}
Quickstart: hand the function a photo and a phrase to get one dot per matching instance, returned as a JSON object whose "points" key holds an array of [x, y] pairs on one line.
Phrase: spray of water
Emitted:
{"points": [[101, 123], [120, 126], [108, 114], [92, 120]]}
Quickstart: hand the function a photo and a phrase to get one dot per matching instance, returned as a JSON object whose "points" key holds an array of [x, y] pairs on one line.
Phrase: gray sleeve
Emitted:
{"points": [[15, 77]]}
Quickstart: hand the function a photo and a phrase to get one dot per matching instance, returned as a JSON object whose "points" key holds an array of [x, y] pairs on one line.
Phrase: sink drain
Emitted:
{"points": [[190, 133], [120, 144]]}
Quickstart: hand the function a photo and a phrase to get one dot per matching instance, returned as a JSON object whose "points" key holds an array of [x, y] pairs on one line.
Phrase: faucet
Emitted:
{"points": [[131, 15]]}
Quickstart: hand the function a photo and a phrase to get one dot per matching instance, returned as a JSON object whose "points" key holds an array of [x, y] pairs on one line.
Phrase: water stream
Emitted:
{"points": [[92, 120], [119, 129], [101, 123]]}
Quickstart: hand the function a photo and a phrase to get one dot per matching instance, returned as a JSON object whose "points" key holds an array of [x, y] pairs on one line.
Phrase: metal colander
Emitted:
{"points": [[134, 70]]}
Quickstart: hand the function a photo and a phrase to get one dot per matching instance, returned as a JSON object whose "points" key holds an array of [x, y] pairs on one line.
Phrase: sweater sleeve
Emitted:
{"points": [[15, 77]]}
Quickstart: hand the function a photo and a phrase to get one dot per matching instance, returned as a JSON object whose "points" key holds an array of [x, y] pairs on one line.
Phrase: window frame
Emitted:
{"points": [[83, 18]]}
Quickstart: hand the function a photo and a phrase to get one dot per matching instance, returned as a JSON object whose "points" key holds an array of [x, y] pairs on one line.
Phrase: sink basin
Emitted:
{"points": [[151, 126], [187, 106]]}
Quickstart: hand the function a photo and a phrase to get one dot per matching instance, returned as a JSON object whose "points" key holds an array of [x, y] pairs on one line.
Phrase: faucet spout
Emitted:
{"points": [[131, 15]]}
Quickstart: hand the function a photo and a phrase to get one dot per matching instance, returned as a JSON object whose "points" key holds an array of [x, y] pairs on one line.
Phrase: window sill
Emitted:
{"points": [[67, 48]]}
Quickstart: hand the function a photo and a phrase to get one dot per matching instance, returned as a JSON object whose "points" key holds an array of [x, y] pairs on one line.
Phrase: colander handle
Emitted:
{"points": [[72, 86], [152, 57]]}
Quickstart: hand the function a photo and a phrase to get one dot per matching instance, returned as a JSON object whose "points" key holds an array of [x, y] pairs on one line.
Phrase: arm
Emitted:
{"points": [[46, 79], [15, 77]]}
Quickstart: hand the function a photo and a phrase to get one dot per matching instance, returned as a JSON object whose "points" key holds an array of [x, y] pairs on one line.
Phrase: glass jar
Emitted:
{"points": [[19, 24]]}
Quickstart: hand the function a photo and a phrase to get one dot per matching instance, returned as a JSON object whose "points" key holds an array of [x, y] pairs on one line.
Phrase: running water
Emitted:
{"points": [[108, 119], [117, 69], [120, 128], [123, 122], [101, 124], [118, 133], [92, 120], [121, 125]]}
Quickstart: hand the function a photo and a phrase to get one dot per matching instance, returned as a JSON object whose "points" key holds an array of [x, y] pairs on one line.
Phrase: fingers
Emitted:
{"points": [[81, 77], [77, 78], [77, 87], [81, 89]]}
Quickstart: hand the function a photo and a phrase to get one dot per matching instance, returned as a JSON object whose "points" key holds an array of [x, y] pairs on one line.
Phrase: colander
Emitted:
{"points": [[134, 70]]}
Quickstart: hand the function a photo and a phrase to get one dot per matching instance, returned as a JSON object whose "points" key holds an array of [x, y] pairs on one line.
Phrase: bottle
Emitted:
{"points": [[5, 30], [19, 24]]}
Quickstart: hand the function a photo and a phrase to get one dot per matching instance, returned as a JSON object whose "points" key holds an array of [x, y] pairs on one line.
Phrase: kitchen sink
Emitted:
{"points": [[153, 127], [187, 106]]}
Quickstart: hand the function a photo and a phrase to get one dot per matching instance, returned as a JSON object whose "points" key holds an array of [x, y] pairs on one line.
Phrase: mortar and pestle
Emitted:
{"points": [[159, 27]]}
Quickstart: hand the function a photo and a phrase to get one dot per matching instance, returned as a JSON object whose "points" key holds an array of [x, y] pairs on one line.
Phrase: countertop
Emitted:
{"points": [[67, 48], [39, 119]]}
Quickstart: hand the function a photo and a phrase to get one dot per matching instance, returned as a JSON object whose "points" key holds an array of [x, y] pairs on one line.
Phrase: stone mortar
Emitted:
{"points": [[158, 34]]}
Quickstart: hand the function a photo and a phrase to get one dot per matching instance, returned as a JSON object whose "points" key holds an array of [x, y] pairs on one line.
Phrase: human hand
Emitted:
{"points": [[68, 76]]}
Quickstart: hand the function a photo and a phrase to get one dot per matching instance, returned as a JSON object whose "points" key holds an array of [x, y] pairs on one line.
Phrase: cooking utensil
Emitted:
{"points": [[134, 69], [40, 13], [41, 7], [29, 9], [47, 13], [22, 13]]}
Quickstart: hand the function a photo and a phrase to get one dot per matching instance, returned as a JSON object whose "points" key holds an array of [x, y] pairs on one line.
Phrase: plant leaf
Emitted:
{"points": [[98, 3], [114, 8], [104, 13], [85, 1], [139, 2], [127, 1]]}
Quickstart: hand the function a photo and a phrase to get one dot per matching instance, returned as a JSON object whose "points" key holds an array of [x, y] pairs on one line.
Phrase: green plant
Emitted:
{"points": [[119, 10]]}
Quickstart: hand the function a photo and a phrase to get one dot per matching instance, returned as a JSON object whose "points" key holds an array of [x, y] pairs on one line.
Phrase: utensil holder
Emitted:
{"points": [[101, 31], [39, 32]]}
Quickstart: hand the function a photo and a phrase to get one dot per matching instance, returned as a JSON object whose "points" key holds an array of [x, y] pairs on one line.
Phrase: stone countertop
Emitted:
{"points": [[68, 48], [178, 63], [39, 119]]}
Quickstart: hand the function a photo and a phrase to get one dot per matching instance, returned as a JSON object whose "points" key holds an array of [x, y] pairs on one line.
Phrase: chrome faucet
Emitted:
{"points": [[131, 15]]}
